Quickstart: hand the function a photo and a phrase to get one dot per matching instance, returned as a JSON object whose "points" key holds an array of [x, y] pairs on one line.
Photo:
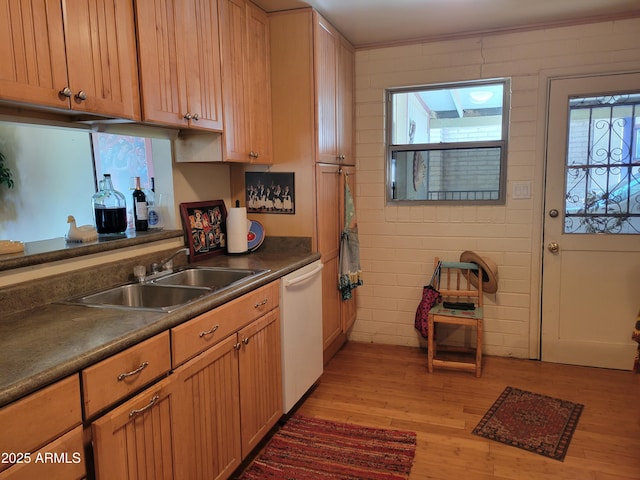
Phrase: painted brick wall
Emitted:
{"points": [[398, 243]]}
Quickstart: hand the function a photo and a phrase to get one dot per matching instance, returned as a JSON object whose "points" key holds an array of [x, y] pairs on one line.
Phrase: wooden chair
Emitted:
{"points": [[454, 284]]}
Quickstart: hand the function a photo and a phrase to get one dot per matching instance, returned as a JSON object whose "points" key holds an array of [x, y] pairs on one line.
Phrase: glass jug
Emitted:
{"points": [[109, 207]]}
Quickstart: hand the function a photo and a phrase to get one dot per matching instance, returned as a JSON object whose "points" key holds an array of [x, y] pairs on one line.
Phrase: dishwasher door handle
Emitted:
{"points": [[302, 278]]}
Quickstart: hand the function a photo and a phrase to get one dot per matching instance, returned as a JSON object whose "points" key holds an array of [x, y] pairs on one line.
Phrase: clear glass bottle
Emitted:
{"points": [[109, 207]]}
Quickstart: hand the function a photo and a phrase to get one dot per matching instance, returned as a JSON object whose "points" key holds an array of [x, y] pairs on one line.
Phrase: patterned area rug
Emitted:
{"points": [[530, 421], [309, 449]]}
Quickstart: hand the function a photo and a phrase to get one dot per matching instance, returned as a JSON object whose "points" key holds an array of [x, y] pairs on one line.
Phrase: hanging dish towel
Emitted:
{"points": [[350, 271]]}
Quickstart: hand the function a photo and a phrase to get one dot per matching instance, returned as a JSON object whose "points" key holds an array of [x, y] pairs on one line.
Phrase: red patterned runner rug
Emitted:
{"points": [[530, 421], [313, 449]]}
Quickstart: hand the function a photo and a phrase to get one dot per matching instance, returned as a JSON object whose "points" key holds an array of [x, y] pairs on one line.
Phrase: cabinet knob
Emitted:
{"points": [[341, 157], [245, 340], [81, 95], [195, 117], [237, 346], [187, 116], [65, 92], [253, 154]]}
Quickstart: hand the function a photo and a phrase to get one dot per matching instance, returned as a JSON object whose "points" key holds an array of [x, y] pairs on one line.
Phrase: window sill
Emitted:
{"points": [[45, 251]]}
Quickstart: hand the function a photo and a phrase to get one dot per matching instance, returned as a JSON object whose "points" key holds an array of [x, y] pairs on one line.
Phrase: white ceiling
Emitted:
{"points": [[372, 22]]}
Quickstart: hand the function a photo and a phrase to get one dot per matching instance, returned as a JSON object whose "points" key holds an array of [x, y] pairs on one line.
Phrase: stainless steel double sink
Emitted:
{"points": [[167, 292]]}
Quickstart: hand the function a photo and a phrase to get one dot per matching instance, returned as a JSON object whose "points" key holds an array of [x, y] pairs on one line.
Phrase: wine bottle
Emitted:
{"points": [[140, 214]]}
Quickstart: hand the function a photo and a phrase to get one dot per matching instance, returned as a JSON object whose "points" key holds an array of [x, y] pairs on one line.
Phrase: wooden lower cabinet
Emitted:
{"points": [[41, 434], [260, 366], [61, 459], [208, 414], [204, 418], [229, 397], [137, 440]]}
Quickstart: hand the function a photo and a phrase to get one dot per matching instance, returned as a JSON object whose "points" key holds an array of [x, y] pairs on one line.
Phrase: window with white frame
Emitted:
{"points": [[448, 142]]}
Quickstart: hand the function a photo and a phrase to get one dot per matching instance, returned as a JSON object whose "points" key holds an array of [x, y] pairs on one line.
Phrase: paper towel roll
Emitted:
{"points": [[237, 230]]}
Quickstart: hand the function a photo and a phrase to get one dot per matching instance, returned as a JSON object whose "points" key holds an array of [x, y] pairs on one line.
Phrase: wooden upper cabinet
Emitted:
{"points": [[334, 74], [101, 57], [246, 82], [180, 63], [345, 101], [259, 84], [70, 55], [31, 35], [326, 60]]}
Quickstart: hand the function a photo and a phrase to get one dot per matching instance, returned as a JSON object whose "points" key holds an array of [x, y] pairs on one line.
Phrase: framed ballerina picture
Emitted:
{"points": [[270, 192]]}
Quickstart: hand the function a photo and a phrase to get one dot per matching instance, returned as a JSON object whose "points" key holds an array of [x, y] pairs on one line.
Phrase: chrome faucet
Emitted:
{"points": [[162, 265]]}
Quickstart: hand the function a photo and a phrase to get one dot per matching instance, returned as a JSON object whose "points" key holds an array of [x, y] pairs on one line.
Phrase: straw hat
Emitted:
{"points": [[490, 271]]}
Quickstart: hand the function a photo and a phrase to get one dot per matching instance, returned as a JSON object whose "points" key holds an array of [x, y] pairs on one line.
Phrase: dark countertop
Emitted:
{"points": [[45, 344], [55, 249]]}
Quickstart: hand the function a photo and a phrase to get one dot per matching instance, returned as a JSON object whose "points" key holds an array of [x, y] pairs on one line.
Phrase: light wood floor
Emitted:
{"points": [[389, 386]]}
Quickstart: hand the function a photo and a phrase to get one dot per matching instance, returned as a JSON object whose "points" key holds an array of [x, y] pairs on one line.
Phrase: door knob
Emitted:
{"points": [[553, 247]]}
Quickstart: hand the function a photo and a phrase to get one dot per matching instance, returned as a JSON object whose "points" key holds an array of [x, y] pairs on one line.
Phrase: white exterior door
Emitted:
{"points": [[591, 257]]}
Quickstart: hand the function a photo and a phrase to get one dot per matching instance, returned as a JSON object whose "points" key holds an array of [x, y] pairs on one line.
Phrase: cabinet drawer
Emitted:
{"points": [[116, 377], [62, 459], [195, 336], [33, 421]]}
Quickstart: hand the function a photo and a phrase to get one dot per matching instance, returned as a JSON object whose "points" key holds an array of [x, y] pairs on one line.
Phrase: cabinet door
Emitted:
{"points": [[246, 82], [161, 62], [328, 196], [337, 314], [258, 81], [31, 35], [233, 45], [260, 378], [331, 304], [101, 57], [136, 440], [202, 54], [207, 414], [345, 108], [326, 51]]}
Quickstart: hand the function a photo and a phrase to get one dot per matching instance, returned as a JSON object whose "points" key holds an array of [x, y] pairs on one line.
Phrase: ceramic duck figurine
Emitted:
{"points": [[84, 233]]}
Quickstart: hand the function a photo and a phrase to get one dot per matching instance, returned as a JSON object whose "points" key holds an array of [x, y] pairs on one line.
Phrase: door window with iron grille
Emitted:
{"points": [[602, 171], [447, 143]]}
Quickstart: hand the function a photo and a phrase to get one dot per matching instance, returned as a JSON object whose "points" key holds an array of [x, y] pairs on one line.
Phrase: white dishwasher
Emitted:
{"points": [[301, 331]]}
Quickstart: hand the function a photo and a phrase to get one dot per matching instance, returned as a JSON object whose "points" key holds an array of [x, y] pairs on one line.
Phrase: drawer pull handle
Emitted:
{"points": [[153, 401], [209, 332], [259, 304], [122, 376]]}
